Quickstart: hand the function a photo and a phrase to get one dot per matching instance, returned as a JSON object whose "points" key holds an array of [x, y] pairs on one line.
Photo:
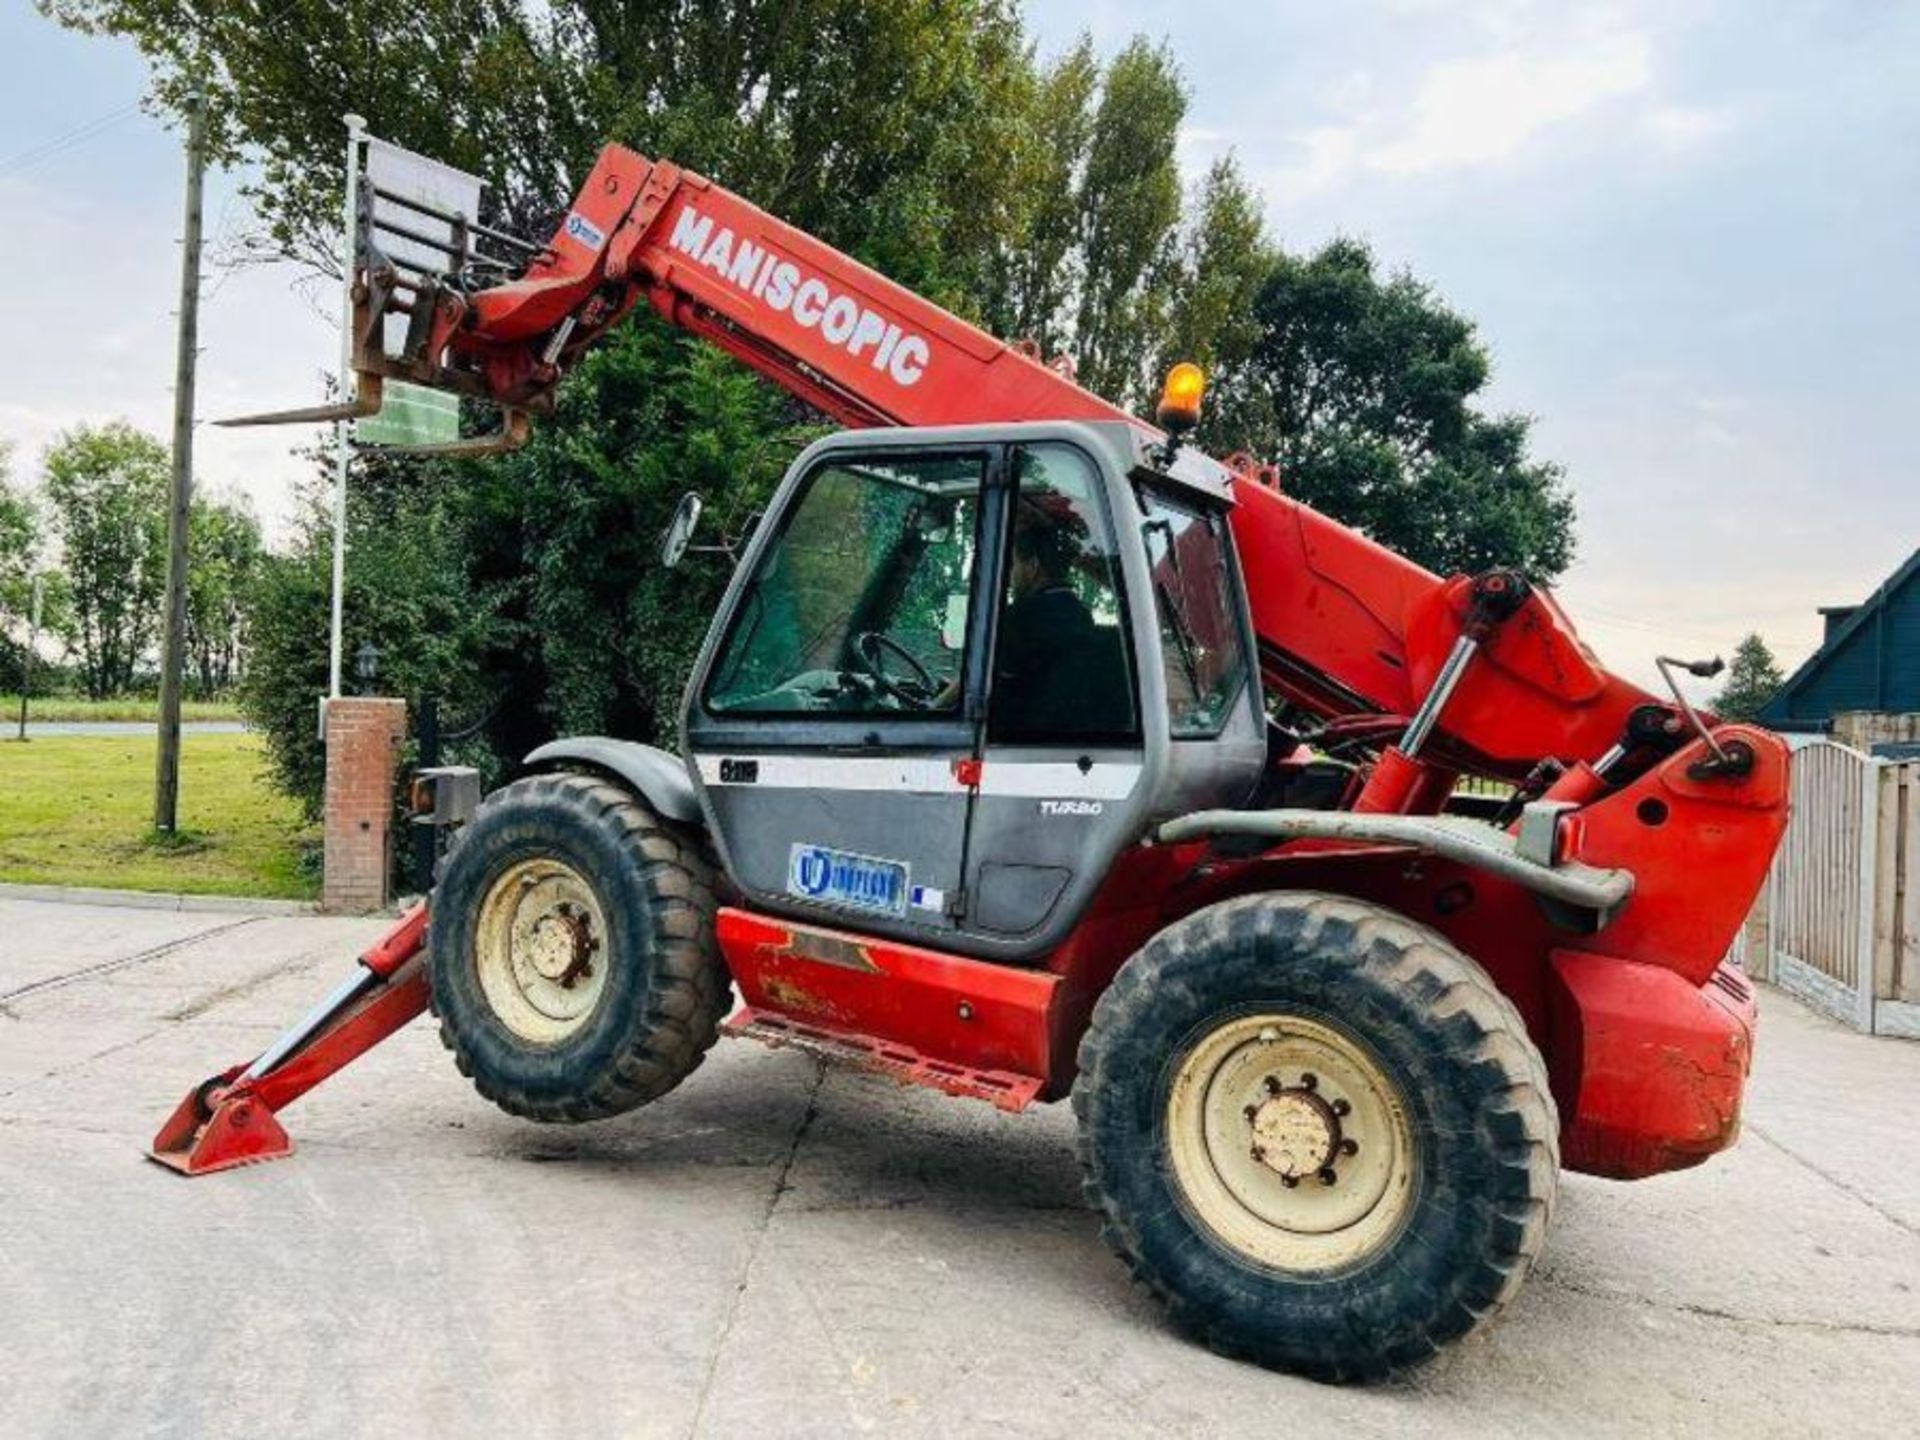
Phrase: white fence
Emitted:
{"points": [[1843, 898]]}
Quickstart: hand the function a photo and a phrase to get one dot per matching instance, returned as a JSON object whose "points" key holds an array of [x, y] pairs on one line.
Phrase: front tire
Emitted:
{"points": [[574, 965], [1317, 1132]]}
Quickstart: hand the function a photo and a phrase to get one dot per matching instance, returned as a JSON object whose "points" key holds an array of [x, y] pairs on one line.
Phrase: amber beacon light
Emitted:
{"points": [[1180, 397]]}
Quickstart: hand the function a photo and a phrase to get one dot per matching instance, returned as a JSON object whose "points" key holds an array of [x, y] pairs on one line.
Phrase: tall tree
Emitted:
{"points": [[224, 541], [1037, 263], [107, 489], [1363, 390], [19, 547], [1129, 202], [1753, 679], [19, 538], [1214, 281]]}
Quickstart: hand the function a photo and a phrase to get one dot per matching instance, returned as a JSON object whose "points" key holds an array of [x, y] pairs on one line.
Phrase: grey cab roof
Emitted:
{"points": [[1135, 450]]}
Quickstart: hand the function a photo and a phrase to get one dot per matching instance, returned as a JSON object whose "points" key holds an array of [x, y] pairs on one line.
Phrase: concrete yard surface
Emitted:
{"points": [[778, 1250]]}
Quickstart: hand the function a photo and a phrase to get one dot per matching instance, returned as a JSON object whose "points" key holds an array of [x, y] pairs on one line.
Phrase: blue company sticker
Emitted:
{"points": [[854, 882], [585, 231]]}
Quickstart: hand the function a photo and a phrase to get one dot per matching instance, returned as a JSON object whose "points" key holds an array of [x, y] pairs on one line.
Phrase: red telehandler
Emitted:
{"points": [[1033, 754]]}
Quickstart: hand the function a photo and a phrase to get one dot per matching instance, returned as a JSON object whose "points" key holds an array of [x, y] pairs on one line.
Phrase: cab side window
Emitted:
{"points": [[1203, 654], [1061, 669]]}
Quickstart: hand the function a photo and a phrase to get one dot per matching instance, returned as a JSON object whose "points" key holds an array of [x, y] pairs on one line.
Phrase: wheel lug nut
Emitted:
{"points": [[1289, 1181], [1327, 1177], [1349, 1147], [1309, 1081], [1341, 1107], [1274, 1087], [1250, 1112]]}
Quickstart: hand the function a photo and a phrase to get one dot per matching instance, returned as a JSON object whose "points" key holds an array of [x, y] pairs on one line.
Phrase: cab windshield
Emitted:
{"points": [[861, 605]]}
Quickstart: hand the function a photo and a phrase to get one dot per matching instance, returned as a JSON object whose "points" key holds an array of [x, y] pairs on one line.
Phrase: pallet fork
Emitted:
{"points": [[230, 1119], [433, 298]]}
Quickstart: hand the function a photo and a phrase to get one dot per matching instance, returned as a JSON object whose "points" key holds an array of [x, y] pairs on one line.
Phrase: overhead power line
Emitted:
{"points": [[79, 135]]}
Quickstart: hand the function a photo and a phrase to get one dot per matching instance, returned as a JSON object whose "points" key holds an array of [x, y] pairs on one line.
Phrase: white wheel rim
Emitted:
{"points": [[540, 950], [1291, 1144]]}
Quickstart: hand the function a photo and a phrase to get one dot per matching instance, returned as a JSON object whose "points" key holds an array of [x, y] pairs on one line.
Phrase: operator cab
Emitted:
{"points": [[959, 670]]}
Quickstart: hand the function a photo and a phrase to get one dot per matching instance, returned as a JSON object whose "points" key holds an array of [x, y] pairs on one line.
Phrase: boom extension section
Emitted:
{"points": [[1347, 629]]}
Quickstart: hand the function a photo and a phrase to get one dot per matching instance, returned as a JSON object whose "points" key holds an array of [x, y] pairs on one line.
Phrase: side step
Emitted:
{"points": [[1000, 1088]]}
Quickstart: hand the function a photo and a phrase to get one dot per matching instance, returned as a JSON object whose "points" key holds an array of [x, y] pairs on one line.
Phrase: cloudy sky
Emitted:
{"points": [[1688, 231]]}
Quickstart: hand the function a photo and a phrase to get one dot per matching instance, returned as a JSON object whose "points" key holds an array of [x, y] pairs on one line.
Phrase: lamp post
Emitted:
{"points": [[366, 666]]}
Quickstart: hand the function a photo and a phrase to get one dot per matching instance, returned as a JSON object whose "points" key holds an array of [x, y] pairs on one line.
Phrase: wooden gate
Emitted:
{"points": [[1843, 908]]}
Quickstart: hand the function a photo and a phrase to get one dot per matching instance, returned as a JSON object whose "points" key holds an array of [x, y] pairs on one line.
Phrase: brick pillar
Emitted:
{"points": [[363, 746]]}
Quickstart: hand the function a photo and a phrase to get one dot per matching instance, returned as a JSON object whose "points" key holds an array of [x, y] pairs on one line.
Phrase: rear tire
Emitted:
{"points": [[1317, 1132], [573, 959]]}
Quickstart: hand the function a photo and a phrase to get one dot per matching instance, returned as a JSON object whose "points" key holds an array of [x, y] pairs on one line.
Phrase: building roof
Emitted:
{"points": [[1869, 660]]}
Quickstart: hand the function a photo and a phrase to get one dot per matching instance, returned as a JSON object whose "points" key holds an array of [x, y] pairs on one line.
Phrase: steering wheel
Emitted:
{"points": [[871, 647]]}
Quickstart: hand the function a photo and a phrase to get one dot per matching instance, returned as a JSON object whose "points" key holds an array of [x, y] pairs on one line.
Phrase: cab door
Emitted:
{"points": [[1062, 784], [831, 730]]}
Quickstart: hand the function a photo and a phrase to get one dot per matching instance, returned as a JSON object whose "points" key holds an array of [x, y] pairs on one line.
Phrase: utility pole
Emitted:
{"points": [[166, 783]]}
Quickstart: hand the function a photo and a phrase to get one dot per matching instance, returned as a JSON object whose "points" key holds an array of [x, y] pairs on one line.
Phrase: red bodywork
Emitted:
{"points": [[1647, 1034]]}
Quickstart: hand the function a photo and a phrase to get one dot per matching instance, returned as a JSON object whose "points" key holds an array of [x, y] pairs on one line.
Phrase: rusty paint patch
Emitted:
{"points": [[826, 950], [796, 999]]}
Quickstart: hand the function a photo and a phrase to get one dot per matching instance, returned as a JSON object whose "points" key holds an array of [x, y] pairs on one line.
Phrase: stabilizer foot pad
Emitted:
{"points": [[1002, 1089], [239, 1130]]}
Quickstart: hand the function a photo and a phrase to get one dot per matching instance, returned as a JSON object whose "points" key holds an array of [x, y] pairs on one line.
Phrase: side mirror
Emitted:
{"points": [[686, 519]]}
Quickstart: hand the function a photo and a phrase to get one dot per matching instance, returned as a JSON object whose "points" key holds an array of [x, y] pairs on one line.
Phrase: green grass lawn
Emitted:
{"points": [[70, 707], [78, 810]]}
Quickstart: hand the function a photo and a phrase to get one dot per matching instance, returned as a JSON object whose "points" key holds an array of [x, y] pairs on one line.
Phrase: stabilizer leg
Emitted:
{"points": [[229, 1119]]}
